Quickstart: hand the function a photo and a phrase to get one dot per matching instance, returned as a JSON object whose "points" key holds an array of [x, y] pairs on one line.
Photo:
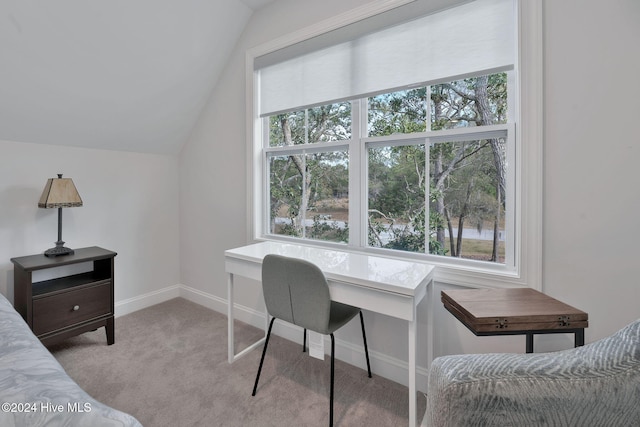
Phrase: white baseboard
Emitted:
{"points": [[381, 364], [147, 300], [204, 299]]}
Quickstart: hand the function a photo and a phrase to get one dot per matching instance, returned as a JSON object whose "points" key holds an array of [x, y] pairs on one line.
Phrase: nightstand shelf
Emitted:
{"points": [[65, 283], [58, 308]]}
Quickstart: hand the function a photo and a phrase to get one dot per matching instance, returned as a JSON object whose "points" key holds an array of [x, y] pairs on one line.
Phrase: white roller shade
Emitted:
{"points": [[472, 39]]}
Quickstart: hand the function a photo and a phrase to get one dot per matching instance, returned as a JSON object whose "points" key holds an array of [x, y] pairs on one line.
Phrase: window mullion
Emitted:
{"points": [[364, 172], [355, 173], [303, 206], [427, 194]]}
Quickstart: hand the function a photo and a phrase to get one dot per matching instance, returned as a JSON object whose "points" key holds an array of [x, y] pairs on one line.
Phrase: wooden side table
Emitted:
{"points": [[59, 308], [521, 311]]}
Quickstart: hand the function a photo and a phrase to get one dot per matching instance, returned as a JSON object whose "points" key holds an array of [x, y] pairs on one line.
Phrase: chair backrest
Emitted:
{"points": [[296, 291]]}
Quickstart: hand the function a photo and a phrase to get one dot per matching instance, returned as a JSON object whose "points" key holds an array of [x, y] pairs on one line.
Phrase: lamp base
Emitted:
{"points": [[58, 250]]}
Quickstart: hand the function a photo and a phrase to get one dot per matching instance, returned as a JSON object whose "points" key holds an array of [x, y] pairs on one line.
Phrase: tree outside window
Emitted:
{"points": [[432, 186]]}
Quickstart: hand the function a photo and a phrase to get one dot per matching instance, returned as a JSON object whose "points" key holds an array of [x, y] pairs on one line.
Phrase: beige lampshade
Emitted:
{"points": [[59, 193]]}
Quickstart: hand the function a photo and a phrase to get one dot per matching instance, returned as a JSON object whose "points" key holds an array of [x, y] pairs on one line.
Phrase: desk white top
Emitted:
{"points": [[387, 274]]}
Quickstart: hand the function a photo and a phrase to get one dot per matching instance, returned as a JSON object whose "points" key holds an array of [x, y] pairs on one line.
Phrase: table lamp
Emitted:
{"points": [[59, 193]]}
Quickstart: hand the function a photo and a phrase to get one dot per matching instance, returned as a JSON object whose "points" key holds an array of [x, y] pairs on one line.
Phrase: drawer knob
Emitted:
{"points": [[76, 307]]}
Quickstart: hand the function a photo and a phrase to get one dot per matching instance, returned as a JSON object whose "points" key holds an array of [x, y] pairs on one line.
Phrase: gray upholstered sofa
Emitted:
{"points": [[594, 385], [36, 391]]}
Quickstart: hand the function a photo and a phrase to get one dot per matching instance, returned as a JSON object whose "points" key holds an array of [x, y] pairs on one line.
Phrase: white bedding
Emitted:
{"points": [[35, 390]]}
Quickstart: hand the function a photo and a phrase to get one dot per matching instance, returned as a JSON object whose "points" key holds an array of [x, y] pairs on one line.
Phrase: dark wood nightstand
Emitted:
{"points": [[62, 307]]}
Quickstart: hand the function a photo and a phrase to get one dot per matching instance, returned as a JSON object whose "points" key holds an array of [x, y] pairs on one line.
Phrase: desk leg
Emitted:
{"points": [[231, 343], [579, 338], [412, 373], [231, 346]]}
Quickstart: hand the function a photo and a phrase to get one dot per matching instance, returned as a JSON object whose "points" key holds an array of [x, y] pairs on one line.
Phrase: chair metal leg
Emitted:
{"points": [[364, 338], [264, 351], [304, 341], [333, 357]]}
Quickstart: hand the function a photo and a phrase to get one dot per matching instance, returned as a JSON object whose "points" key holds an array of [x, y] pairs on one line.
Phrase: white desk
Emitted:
{"points": [[377, 284]]}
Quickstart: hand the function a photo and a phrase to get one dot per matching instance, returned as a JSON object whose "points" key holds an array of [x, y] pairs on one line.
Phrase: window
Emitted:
{"points": [[437, 193], [309, 173], [435, 167]]}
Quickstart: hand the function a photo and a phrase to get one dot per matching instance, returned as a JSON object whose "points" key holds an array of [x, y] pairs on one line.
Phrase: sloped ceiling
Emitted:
{"points": [[113, 74]]}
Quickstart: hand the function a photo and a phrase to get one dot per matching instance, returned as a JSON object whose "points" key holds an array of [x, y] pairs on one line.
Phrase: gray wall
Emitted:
{"points": [[129, 207]]}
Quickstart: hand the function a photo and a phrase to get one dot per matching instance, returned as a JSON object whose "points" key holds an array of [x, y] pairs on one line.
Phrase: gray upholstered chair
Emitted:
{"points": [[297, 292], [594, 385]]}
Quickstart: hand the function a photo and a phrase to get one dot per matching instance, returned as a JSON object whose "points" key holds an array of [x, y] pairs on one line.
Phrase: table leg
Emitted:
{"points": [[579, 338], [529, 343], [412, 373]]}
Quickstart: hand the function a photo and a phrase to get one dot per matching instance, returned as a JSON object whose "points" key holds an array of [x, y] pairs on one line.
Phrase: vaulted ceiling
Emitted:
{"points": [[118, 74]]}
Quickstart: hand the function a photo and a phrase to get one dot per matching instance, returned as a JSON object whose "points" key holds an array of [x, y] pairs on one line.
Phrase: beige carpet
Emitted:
{"points": [[168, 367]]}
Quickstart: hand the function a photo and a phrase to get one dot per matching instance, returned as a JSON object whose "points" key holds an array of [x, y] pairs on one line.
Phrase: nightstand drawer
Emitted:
{"points": [[70, 308]]}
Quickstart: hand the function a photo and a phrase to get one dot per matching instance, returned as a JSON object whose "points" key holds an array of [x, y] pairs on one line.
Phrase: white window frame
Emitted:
{"points": [[528, 95]]}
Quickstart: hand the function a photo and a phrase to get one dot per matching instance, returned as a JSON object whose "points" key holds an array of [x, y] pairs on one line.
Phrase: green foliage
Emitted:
{"points": [[406, 236], [396, 180], [328, 230], [319, 124], [397, 112]]}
